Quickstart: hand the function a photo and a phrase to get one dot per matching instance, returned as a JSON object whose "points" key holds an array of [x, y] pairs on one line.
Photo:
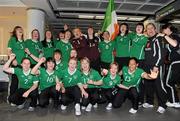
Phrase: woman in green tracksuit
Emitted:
{"points": [[28, 83], [34, 46], [65, 46], [90, 82], [48, 44], [110, 82], [16, 45], [122, 46], [106, 48], [49, 85]]}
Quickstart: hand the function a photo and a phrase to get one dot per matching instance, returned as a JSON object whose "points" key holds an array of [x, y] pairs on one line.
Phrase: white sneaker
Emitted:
{"points": [[63, 107], [176, 105], [109, 106], [169, 104], [133, 111], [147, 105], [77, 109], [13, 105], [95, 106], [31, 109], [89, 107], [161, 110], [83, 107], [21, 106]]}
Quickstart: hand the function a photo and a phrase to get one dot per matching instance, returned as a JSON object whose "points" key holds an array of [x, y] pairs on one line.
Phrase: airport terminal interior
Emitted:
{"points": [[53, 15]]}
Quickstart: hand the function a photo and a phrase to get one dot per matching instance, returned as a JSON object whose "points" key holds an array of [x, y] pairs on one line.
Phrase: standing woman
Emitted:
{"points": [[48, 44], [16, 45], [170, 33], [122, 46], [79, 43], [34, 46], [93, 52], [90, 81], [65, 46], [106, 48]]}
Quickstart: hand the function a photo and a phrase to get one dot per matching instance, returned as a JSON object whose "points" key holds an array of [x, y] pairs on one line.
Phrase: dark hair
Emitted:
{"points": [[44, 42], [25, 58], [68, 30], [133, 58], [152, 24], [38, 33], [127, 28], [171, 27], [140, 24], [57, 51], [13, 33], [50, 59]]}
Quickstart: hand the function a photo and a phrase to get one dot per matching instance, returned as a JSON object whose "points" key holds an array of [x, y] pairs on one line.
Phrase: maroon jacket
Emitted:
{"points": [[81, 46]]}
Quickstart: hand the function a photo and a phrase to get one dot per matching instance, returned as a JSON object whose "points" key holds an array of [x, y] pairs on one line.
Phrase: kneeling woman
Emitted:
{"points": [[70, 78], [90, 84], [27, 83], [48, 82], [129, 88]]}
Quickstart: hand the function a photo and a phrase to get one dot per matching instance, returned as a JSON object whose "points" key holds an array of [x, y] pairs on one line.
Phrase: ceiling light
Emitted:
{"points": [[86, 16], [136, 18], [99, 17], [121, 18], [175, 21]]}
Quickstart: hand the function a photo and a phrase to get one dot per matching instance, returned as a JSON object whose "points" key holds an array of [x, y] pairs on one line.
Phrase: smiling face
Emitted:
{"points": [[57, 56], [26, 64], [50, 65], [72, 64], [106, 35], [73, 54], [113, 69], [35, 35], [67, 35], [48, 35], [123, 29], [77, 33], [139, 29], [85, 65], [61, 35], [151, 30], [132, 65], [90, 31], [19, 33]]}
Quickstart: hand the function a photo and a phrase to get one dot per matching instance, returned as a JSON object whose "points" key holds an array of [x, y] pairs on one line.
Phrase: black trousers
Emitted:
{"points": [[13, 85], [121, 96], [141, 84], [95, 64], [71, 94], [18, 99], [92, 98], [122, 61], [156, 86], [48, 93], [109, 94], [173, 77]]}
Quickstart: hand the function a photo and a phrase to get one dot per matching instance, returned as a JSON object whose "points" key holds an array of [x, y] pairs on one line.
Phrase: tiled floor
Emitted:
{"points": [[8, 113]]}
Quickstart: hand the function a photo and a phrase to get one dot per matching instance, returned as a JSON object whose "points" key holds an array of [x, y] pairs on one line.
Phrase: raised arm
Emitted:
{"points": [[35, 69], [6, 66], [31, 55], [171, 41]]}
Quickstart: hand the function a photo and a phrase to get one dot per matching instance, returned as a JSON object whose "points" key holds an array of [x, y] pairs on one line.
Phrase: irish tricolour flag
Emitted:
{"points": [[110, 23]]}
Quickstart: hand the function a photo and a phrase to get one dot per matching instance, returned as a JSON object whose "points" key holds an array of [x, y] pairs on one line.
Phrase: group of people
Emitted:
{"points": [[88, 69]]}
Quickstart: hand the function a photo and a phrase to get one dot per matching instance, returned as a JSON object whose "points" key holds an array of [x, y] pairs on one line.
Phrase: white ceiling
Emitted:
{"points": [[60, 12]]}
